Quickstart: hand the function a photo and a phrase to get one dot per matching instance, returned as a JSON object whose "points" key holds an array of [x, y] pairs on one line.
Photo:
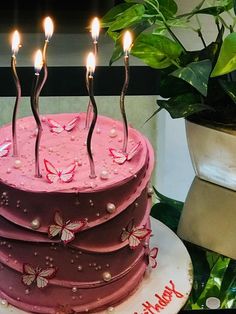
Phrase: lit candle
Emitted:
{"points": [[34, 99], [127, 43], [95, 29], [89, 82], [48, 31], [15, 49]]}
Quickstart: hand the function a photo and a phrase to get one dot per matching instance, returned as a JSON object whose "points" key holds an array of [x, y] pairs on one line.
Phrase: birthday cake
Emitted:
{"points": [[70, 243]]}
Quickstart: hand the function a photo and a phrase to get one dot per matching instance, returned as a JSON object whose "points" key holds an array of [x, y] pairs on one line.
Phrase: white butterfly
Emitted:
{"points": [[54, 175], [120, 157], [66, 230], [38, 275], [152, 257], [55, 127], [4, 148], [134, 235]]}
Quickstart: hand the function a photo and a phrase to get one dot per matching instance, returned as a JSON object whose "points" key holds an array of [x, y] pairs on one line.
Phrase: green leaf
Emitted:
{"points": [[171, 86], [196, 74], [155, 50], [128, 17], [234, 4], [168, 8], [167, 211], [136, 29], [213, 285], [201, 270], [229, 88], [114, 13], [226, 61], [183, 105], [228, 291]]}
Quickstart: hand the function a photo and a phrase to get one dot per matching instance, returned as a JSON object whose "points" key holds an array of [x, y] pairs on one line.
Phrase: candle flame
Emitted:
{"points": [[127, 42], [48, 27], [95, 28], [91, 63], [15, 42], [38, 61]]}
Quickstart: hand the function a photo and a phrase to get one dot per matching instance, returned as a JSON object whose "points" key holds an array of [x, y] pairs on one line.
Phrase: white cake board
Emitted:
{"points": [[174, 264]]}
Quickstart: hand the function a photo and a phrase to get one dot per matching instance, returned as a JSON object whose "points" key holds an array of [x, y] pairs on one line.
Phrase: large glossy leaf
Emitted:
{"points": [[213, 285], [229, 88], [196, 74], [167, 211], [136, 29], [168, 8], [128, 17], [182, 105], [155, 50], [171, 86], [226, 61], [114, 13], [228, 286]]}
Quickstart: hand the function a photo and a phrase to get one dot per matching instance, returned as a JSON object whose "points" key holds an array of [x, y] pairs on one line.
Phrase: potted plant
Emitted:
{"points": [[197, 84]]}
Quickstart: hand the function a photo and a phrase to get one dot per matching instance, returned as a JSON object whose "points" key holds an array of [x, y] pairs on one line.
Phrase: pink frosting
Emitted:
{"points": [[97, 248]]}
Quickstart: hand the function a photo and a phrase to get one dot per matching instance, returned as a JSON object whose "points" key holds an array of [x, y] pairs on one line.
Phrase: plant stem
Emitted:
{"points": [[175, 37], [201, 37]]}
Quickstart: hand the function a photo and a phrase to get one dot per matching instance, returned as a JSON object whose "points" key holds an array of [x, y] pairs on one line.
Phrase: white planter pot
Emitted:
{"points": [[213, 154]]}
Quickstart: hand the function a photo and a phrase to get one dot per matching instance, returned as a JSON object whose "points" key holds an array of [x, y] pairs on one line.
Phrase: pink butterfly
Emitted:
{"points": [[38, 275], [54, 175], [4, 148], [120, 157], [65, 230], [58, 128], [134, 235], [152, 257]]}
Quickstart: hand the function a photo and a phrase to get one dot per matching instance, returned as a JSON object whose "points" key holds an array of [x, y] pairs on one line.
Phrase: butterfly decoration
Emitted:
{"points": [[66, 230], [57, 128], [152, 254], [38, 275], [120, 157], [63, 175], [4, 148], [134, 235]]}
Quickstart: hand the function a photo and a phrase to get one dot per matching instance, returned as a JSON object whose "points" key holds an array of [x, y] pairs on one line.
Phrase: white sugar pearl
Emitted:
{"points": [[17, 164], [104, 175], [113, 133], [150, 191], [111, 208], [106, 276], [35, 224]]}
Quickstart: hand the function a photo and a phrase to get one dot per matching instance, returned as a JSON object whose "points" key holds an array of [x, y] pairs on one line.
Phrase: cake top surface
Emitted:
{"points": [[63, 148]]}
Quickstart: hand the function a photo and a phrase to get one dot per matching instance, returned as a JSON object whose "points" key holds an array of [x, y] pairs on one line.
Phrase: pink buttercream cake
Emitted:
{"points": [[70, 243]]}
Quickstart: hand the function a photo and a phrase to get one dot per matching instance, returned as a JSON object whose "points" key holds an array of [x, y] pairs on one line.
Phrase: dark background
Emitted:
{"points": [[68, 15]]}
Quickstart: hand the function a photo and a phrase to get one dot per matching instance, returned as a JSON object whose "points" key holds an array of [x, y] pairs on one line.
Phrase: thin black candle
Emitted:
{"points": [[15, 48], [127, 47], [89, 84], [34, 100]]}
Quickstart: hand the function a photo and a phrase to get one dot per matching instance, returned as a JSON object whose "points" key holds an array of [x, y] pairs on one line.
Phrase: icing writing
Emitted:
{"points": [[162, 300]]}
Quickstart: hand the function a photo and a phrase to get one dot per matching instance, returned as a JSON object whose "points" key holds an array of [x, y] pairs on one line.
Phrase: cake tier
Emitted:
{"points": [[96, 266]]}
